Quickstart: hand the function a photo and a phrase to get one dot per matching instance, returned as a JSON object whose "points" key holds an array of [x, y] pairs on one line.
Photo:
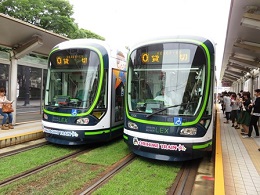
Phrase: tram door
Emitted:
{"points": [[118, 85]]}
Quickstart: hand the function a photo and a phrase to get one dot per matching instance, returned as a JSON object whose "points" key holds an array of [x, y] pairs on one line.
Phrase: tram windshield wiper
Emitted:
{"points": [[161, 110]]}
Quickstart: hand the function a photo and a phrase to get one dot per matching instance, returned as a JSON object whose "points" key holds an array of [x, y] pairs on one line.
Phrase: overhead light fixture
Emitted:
{"points": [[251, 20]]}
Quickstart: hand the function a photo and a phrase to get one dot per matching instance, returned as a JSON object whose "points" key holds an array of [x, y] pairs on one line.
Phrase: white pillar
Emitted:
{"points": [[13, 85]]}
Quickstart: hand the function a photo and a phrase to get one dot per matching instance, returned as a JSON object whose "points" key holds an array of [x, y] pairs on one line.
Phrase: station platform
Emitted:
{"points": [[241, 160]]}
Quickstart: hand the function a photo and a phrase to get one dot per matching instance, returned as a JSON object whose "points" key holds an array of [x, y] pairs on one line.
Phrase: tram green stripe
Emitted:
{"points": [[104, 131], [125, 137], [97, 132], [196, 147], [118, 127]]}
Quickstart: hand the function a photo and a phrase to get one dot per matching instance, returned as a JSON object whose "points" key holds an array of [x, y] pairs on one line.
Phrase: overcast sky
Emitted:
{"points": [[128, 22]]}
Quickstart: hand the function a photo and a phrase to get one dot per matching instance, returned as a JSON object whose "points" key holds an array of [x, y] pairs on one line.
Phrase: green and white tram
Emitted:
{"points": [[169, 98], [84, 92]]}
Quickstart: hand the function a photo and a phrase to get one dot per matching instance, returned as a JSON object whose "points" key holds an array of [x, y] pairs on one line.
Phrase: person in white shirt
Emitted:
{"points": [[228, 108]]}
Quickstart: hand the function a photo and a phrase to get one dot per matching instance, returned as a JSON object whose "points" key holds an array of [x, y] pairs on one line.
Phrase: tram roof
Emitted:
{"points": [[242, 45], [22, 36]]}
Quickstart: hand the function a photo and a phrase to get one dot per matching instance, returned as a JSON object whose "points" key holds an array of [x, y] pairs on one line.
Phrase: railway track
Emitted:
{"points": [[23, 149], [185, 179], [113, 171], [44, 166], [183, 183]]}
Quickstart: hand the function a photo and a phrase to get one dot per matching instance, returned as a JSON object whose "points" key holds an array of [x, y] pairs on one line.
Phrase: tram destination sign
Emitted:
{"points": [[166, 56], [70, 58]]}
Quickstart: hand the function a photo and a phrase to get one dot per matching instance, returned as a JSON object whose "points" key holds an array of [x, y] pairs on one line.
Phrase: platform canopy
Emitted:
{"points": [[24, 38], [242, 45]]}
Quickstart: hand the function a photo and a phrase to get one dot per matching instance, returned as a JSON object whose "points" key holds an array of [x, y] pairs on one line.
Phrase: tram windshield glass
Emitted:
{"points": [[167, 79], [72, 78]]}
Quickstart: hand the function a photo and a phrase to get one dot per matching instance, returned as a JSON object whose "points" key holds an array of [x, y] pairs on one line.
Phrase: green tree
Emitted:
{"points": [[83, 33], [53, 15]]}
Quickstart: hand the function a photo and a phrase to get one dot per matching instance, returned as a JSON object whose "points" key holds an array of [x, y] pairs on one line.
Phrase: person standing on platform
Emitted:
{"points": [[255, 114], [17, 90], [222, 103], [239, 111], [246, 117], [3, 100], [227, 105], [235, 107]]}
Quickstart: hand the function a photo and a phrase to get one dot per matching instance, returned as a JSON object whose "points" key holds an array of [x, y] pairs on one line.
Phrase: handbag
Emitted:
{"points": [[7, 108]]}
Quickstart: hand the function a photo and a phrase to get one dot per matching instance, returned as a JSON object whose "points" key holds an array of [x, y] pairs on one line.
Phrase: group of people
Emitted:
{"points": [[9, 116], [240, 109]]}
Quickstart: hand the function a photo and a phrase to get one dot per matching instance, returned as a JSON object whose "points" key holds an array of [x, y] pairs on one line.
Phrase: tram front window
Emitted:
{"points": [[166, 79], [73, 84], [72, 88]]}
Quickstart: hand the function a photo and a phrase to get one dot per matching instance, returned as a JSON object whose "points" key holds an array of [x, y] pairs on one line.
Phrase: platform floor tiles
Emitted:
{"points": [[241, 160]]}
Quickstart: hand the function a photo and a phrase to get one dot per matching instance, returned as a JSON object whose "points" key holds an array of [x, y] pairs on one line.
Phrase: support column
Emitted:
{"points": [[13, 85]]}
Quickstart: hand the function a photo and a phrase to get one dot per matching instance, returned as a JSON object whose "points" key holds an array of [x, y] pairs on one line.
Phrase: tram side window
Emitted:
{"points": [[56, 84]]}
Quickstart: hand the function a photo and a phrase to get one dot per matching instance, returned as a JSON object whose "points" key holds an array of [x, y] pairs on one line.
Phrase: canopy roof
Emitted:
{"points": [[23, 37], [242, 46]]}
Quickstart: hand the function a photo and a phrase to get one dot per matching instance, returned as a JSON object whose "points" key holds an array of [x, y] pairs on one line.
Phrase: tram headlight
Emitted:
{"points": [[132, 125], [189, 131], [82, 121], [45, 116]]}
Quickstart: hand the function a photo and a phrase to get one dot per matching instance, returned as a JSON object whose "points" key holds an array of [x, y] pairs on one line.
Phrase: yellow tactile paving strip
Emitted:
{"points": [[219, 187]]}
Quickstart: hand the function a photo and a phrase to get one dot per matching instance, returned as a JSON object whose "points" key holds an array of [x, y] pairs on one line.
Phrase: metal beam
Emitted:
{"points": [[239, 74], [230, 78], [28, 47], [251, 20], [253, 16], [231, 75], [233, 79], [243, 62], [237, 66], [247, 47]]}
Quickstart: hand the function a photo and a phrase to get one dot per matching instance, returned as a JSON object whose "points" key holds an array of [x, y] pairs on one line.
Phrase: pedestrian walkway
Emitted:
{"points": [[241, 160]]}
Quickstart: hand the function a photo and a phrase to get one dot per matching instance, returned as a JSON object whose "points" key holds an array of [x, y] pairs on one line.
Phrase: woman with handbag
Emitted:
{"points": [[9, 115]]}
